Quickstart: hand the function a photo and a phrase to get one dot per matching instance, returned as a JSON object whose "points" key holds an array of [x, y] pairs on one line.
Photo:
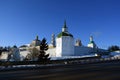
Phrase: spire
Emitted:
{"points": [[78, 42], [65, 29], [53, 40], [92, 43], [91, 38], [37, 37], [65, 24]]}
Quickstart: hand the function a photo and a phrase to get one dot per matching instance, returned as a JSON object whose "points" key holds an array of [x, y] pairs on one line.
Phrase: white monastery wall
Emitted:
{"points": [[67, 46], [82, 50], [51, 52], [58, 47]]}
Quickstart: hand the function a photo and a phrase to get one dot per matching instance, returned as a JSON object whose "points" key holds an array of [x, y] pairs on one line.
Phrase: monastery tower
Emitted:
{"points": [[64, 43]]}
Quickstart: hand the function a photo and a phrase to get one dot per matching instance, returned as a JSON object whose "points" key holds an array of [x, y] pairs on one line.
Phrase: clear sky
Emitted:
{"points": [[22, 20]]}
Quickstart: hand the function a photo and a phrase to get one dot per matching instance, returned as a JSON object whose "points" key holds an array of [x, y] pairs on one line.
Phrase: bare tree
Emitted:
{"points": [[34, 52]]}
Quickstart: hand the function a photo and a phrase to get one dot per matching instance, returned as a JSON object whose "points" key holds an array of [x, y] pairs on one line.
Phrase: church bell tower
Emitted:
{"points": [[64, 43]]}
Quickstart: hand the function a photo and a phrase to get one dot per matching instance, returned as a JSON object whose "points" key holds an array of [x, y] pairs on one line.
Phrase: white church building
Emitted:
{"points": [[65, 45]]}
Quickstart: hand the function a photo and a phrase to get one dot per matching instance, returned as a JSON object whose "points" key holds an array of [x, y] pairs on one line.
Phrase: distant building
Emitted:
{"points": [[35, 42], [25, 50], [78, 42], [4, 56], [15, 54], [92, 43], [11, 55]]}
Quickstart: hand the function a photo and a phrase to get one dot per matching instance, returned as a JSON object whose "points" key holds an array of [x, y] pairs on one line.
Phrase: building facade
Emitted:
{"points": [[65, 45]]}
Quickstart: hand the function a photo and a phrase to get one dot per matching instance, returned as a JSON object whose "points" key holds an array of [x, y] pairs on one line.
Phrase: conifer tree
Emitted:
{"points": [[0, 52], [42, 55], [1, 49]]}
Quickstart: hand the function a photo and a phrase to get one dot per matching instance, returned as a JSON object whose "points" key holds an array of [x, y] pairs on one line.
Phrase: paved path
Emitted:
{"points": [[102, 71]]}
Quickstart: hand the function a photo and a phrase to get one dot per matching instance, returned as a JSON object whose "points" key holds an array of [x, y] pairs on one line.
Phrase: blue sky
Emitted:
{"points": [[22, 20]]}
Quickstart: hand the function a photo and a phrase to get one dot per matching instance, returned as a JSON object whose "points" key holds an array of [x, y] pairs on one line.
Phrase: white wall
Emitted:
{"points": [[82, 50], [4, 56], [64, 46], [16, 54], [58, 47], [51, 52], [23, 54], [91, 45], [67, 46]]}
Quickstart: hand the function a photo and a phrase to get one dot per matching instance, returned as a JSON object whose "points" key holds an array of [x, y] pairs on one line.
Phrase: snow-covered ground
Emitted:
{"points": [[72, 57], [115, 55], [53, 58]]}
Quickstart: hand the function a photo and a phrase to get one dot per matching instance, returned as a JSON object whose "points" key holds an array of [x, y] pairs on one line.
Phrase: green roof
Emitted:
{"points": [[91, 42], [64, 34]]}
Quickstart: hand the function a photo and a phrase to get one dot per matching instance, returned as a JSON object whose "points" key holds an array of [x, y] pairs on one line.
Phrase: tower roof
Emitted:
{"points": [[64, 26], [64, 31], [35, 42], [37, 38], [92, 43], [64, 34], [91, 40]]}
